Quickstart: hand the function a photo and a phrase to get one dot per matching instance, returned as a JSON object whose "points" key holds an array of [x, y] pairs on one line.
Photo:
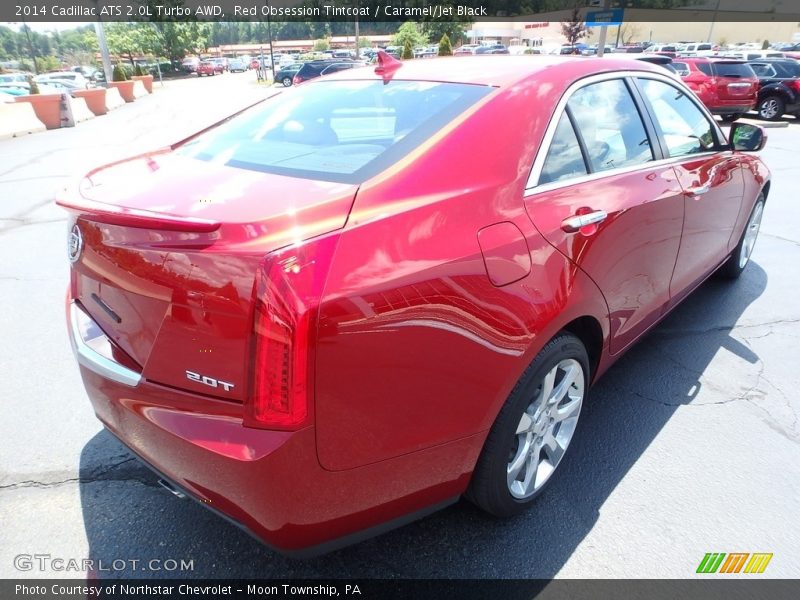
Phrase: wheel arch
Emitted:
{"points": [[589, 331]]}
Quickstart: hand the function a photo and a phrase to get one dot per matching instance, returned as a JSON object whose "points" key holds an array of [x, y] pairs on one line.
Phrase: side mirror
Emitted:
{"points": [[745, 137]]}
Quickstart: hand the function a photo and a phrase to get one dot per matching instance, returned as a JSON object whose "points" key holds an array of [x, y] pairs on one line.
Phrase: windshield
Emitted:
{"points": [[344, 131]]}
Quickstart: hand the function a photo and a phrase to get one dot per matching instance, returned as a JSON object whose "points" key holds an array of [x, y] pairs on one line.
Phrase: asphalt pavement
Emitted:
{"points": [[689, 445]]}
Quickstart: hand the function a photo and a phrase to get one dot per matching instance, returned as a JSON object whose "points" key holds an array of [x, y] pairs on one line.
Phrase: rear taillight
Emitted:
{"points": [[795, 84], [297, 79], [288, 288]]}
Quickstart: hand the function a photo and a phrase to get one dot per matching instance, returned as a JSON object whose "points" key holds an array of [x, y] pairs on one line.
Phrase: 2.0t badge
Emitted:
{"points": [[74, 243]]}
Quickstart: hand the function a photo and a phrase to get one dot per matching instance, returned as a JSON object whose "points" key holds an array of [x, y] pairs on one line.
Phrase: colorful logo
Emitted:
{"points": [[734, 562]]}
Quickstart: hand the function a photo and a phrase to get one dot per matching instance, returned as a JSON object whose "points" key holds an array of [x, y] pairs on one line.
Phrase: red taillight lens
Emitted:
{"points": [[297, 79], [795, 84], [289, 285]]}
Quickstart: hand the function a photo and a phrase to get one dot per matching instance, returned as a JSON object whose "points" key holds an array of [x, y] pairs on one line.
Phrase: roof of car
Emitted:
{"points": [[499, 70]]}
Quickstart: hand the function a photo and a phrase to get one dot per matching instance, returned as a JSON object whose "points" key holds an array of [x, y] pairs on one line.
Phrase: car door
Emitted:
{"points": [[599, 193], [710, 176]]}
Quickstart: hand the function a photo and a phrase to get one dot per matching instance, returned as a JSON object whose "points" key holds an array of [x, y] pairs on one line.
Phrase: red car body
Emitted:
{"points": [[208, 68], [318, 360], [722, 93]]}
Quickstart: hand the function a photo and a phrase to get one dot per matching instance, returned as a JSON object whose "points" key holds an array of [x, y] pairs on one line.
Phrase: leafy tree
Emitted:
{"points": [[119, 73], [322, 45], [575, 28], [454, 30], [45, 64], [408, 51], [445, 48], [409, 34]]}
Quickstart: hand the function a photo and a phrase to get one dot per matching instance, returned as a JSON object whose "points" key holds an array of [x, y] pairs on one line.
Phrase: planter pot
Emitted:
{"points": [[125, 89], [95, 99], [47, 108], [147, 80]]}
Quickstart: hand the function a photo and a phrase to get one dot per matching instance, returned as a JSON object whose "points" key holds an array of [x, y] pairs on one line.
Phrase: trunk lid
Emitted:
{"points": [[171, 246]]}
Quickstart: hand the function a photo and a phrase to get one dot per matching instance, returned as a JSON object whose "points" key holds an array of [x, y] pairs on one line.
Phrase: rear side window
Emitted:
{"points": [[762, 70], [681, 68], [704, 67], [732, 69], [610, 126], [343, 131], [787, 69], [564, 158], [684, 126]]}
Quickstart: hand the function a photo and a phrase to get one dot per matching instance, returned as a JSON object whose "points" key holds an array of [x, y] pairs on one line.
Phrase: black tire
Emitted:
{"points": [[286, 81], [731, 118], [771, 108], [736, 264], [490, 488]]}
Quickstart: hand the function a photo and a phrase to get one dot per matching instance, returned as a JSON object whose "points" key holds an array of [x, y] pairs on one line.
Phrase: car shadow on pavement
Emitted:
{"points": [[127, 516]]}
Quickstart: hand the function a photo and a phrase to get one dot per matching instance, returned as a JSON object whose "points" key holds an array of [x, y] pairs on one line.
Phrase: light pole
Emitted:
{"points": [[713, 21]]}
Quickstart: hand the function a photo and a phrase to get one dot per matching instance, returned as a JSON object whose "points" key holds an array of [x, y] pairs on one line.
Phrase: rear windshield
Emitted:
{"points": [[343, 131], [732, 69]]}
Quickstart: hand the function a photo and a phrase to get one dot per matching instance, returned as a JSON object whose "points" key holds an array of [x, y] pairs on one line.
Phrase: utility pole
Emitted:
{"points": [[713, 21], [601, 44], [30, 45], [358, 53], [103, 44], [269, 39]]}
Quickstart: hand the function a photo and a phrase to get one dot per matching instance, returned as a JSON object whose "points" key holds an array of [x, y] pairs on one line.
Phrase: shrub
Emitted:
{"points": [[765, 45], [408, 51], [138, 71], [445, 47], [34, 86], [119, 74]]}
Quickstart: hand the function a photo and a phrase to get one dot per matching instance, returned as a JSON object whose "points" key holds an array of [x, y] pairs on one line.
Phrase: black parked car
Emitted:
{"points": [[286, 74], [779, 89], [315, 68]]}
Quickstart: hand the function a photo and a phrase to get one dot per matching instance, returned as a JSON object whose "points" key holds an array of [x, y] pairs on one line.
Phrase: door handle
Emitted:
{"points": [[573, 224], [698, 191]]}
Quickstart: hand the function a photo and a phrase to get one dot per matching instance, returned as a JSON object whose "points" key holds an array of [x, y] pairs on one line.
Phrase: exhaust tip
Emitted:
{"points": [[171, 488]]}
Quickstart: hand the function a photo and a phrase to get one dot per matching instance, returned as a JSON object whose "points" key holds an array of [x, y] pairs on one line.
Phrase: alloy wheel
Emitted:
{"points": [[751, 234], [545, 429], [769, 108]]}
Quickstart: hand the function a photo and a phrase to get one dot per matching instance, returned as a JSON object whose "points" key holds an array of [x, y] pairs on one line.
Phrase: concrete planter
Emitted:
{"points": [[47, 108], [95, 99], [125, 89], [147, 80]]}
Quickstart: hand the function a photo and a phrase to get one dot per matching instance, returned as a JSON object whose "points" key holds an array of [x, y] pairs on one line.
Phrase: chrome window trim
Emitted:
{"points": [[532, 186], [89, 357]]}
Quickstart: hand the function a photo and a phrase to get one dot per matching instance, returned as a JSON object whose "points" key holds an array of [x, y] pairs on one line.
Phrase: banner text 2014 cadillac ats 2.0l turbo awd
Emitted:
{"points": [[368, 296]]}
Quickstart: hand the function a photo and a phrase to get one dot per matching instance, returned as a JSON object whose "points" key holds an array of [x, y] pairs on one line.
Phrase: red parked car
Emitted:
{"points": [[208, 68], [728, 87], [323, 318]]}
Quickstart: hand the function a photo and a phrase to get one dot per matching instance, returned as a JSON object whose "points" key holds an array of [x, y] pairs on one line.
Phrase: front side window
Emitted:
{"points": [[610, 126], [564, 158], [684, 126], [343, 131]]}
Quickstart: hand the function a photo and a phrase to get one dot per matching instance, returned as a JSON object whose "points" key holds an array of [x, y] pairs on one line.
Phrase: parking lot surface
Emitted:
{"points": [[689, 445]]}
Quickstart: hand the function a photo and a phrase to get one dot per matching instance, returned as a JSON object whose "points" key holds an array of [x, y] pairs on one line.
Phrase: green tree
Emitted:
{"points": [[575, 28], [445, 48], [119, 73], [322, 45], [129, 39], [408, 51], [454, 30], [410, 34]]}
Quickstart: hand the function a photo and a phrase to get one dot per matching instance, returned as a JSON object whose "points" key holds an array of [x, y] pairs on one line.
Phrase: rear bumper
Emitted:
{"points": [[270, 482], [732, 108]]}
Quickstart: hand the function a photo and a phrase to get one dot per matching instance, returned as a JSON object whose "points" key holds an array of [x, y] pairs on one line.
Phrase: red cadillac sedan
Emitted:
{"points": [[323, 317]]}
